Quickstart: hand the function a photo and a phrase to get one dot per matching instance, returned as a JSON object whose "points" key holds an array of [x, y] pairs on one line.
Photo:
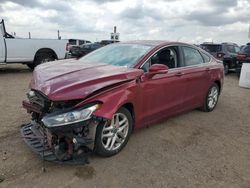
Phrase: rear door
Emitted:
{"points": [[2, 43], [197, 74]]}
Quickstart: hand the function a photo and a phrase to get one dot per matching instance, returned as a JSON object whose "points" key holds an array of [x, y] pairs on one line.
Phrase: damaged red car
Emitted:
{"points": [[94, 103]]}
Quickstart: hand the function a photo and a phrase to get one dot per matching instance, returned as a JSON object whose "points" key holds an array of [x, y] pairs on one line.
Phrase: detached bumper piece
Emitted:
{"points": [[37, 138]]}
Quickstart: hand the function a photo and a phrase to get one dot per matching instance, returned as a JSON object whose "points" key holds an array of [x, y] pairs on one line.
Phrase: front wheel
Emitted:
{"points": [[211, 98], [112, 137]]}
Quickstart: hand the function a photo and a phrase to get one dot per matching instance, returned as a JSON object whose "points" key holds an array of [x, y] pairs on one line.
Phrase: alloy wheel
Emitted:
{"points": [[115, 133], [212, 97]]}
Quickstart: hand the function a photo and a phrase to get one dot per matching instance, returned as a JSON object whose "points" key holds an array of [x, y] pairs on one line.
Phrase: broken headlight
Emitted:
{"points": [[70, 117]]}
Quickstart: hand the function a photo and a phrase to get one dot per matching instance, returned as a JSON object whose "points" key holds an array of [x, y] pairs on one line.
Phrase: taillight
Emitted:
{"points": [[67, 46], [220, 55], [241, 56]]}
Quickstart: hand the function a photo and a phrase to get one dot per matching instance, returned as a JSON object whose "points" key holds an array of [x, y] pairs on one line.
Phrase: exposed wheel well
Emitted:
{"points": [[130, 108], [47, 51], [219, 84]]}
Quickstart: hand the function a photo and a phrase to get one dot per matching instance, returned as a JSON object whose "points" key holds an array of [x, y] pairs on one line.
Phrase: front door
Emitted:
{"points": [[162, 94]]}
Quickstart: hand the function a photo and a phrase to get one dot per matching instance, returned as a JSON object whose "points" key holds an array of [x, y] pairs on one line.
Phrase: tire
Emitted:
{"points": [[120, 137], [31, 66], [211, 100], [43, 58], [238, 73], [226, 68]]}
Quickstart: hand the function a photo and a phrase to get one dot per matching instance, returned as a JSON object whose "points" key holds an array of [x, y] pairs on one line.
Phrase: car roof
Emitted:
{"points": [[154, 42], [223, 43]]}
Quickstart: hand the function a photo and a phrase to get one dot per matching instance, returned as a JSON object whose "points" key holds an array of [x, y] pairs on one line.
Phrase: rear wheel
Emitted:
{"points": [[31, 66], [44, 57], [211, 98], [112, 137], [226, 68], [40, 58]]}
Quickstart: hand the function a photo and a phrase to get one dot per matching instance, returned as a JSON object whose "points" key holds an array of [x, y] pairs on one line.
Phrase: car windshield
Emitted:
{"points": [[117, 54]]}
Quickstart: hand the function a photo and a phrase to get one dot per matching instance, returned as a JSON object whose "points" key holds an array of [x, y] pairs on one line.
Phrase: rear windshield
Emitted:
{"points": [[211, 47], [72, 41], [246, 49]]}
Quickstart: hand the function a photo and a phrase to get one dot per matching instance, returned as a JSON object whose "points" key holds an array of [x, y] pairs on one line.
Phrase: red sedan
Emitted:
{"points": [[94, 103]]}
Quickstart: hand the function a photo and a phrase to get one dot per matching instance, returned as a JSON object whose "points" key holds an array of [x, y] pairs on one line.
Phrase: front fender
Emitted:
{"points": [[115, 99]]}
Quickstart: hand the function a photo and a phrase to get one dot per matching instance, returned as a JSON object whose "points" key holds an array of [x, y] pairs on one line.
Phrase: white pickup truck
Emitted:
{"points": [[31, 52]]}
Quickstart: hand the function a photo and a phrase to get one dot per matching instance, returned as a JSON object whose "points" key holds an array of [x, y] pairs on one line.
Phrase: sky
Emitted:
{"points": [[192, 21]]}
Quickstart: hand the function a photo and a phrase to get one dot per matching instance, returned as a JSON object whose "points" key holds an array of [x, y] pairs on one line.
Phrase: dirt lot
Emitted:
{"points": [[196, 149]]}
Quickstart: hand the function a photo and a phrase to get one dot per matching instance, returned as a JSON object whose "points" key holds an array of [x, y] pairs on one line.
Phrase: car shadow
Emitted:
{"points": [[7, 69]]}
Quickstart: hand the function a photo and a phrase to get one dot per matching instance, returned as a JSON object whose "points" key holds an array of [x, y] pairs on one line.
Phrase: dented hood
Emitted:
{"points": [[72, 79]]}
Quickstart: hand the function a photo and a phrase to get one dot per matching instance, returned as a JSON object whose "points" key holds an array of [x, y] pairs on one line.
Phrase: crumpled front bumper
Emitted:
{"points": [[37, 138]]}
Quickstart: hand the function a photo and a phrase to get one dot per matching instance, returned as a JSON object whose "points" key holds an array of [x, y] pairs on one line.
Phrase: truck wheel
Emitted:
{"points": [[31, 66], [43, 58], [112, 137]]}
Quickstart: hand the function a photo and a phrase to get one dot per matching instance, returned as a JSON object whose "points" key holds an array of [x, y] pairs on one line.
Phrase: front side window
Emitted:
{"points": [[237, 49], [166, 56], [192, 56]]}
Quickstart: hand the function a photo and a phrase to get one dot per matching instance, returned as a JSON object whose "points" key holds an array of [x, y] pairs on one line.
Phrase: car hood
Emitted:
{"points": [[73, 79]]}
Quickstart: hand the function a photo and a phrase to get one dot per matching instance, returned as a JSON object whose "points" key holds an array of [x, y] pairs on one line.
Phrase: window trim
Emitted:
{"points": [[167, 46], [182, 61]]}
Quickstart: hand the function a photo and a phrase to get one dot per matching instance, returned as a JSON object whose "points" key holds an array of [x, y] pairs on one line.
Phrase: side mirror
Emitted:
{"points": [[157, 69]]}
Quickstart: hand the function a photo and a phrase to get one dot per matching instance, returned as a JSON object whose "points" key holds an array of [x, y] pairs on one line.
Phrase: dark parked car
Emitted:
{"points": [[95, 103], [243, 57], [226, 52], [79, 51], [106, 42]]}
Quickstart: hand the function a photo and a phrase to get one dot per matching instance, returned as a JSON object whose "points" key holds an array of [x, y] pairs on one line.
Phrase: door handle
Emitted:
{"points": [[208, 69], [179, 74]]}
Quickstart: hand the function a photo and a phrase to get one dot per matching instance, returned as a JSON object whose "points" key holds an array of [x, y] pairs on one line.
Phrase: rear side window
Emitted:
{"points": [[192, 56], [72, 42], [205, 57], [231, 49], [81, 42]]}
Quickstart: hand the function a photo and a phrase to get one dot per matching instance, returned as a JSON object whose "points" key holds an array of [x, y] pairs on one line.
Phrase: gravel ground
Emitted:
{"points": [[195, 149]]}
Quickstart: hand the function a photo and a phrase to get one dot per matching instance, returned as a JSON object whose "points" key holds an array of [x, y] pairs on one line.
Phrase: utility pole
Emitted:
{"points": [[58, 35], [115, 36], [249, 31]]}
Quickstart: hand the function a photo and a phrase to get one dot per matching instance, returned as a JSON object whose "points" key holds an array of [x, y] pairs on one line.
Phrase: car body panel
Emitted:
{"points": [[181, 89], [67, 82], [80, 98]]}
